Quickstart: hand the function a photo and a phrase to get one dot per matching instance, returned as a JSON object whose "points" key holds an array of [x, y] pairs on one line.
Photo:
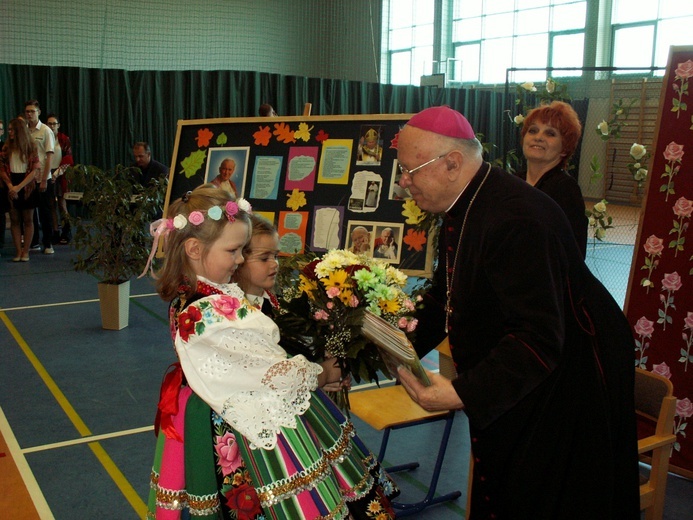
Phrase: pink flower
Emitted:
{"points": [[688, 320], [671, 281], [226, 306], [684, 407], [231, 210], [412, 325], [333, 292], [402, 323], [684, 70], [330, 305], [196, 218], [662, 369], [683, 207], [408, 304], [644, 327], [321, 315], [227, 451], [353, 301], [653, 245], [673, 152]]}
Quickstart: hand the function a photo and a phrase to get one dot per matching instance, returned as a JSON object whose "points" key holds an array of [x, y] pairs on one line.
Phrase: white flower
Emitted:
{"points": [[600, 207], [529, 86], [637, 151], [599, 233], [603, 127], [641, 174], [179, 221], [518, 119], [637, 165], [619, 112], [593, 222], [244, 205], [550, 86]]}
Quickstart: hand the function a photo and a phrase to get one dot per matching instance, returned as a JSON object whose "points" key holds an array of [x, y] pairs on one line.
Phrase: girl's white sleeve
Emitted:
{"points": [[232, 360]]}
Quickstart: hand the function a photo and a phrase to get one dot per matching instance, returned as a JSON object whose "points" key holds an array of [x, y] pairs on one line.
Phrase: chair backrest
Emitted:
{"points": [[655, 401]]}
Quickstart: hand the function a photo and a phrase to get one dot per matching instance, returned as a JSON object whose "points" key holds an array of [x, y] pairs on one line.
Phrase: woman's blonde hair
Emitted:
{"points": [[176, 275], [21, 142]]}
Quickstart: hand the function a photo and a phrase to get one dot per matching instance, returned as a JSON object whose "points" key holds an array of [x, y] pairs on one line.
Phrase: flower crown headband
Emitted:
{"points": [[164, 226]]}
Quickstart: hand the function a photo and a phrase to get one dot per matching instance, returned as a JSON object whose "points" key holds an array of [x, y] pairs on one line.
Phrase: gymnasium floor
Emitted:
{"points": [[77, 402]]}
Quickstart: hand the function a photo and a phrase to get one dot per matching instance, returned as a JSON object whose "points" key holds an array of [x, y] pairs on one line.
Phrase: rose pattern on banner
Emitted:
{"points": [[684, 409], [686, 356], [682, 209], [673, 154], [682, 73], [653, 247], [670, 283], [662, 317], [644, 328]]}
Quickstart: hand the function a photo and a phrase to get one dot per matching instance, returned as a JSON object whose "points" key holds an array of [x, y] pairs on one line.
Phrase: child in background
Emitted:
{"points": [[242, 431]]}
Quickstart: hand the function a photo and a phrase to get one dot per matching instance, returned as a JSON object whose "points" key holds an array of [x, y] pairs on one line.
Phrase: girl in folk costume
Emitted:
{"points": [[243, 433]]}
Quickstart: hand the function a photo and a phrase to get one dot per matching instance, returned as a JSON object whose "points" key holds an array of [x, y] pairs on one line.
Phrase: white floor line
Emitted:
{"points": [[32, 486], [59, 304], [86, 440]]}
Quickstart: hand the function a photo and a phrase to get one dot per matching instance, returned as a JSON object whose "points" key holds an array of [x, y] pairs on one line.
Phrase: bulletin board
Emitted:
{"points": [[325, 182]]}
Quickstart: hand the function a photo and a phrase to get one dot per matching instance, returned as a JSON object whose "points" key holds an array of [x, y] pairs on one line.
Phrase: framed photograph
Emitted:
{"points": [[227, 168], [387, 243]]}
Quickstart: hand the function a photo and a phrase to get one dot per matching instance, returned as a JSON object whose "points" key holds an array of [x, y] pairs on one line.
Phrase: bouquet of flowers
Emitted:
{"points": [[322, 301]]}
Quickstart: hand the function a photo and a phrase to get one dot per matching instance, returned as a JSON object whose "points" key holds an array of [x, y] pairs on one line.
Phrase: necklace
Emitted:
{"points": [[450, 272]]}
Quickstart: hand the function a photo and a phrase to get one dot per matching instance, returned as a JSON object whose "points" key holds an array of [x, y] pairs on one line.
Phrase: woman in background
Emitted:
{"points": [[19, 168], [550, 134]]}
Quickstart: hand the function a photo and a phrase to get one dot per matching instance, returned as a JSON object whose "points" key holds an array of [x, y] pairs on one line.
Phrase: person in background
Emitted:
{"points": [[4, 201], [45, 143], [242, 429], [266, 110], [20, 170], [149, 168], [61, 160], [385, 245], [360, 241], [223, 180], [544, 354], [550, 135]]}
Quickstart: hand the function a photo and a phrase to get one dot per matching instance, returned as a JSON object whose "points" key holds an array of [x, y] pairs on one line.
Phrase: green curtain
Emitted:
{"points": [[104, 111]]}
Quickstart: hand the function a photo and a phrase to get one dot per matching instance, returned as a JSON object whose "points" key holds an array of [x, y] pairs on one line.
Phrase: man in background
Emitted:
{"points": [[45, 143], [149, 168]]}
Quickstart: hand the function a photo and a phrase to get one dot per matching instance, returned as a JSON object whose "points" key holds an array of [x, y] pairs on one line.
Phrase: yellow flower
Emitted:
{"points": [[389, 306], [307, 286], [297, 199], [338, 279], [345, 295], [374, 507]]}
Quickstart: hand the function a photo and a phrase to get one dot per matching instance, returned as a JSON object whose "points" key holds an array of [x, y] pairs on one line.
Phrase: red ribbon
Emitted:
{"points": [[168, 402]]}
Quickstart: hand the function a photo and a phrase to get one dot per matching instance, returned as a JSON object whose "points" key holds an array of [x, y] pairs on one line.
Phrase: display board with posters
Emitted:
{"points": [[325, 182]]}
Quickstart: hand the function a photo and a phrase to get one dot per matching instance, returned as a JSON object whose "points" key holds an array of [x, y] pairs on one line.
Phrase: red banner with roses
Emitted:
{"points": [[659, 304]]}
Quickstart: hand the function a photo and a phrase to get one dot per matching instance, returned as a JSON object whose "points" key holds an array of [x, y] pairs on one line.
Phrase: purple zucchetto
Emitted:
{"points": [[443, 120]]}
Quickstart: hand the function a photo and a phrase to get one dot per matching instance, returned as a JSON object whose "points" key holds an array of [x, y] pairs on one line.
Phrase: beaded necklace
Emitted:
{"points": [[450, 272]]}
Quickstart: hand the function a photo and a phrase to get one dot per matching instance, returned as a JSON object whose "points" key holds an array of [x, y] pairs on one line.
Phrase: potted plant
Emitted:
{"points": [[112, 238]]}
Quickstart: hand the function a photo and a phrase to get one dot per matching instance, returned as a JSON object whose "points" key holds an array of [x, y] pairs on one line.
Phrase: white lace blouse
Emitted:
{"points": [[231, 358]]}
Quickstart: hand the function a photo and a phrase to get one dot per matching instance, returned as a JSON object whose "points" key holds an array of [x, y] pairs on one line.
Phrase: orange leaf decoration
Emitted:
{"points": [[204, 136], [284, 133], [263, 136], [322, 136], [415, 239]]}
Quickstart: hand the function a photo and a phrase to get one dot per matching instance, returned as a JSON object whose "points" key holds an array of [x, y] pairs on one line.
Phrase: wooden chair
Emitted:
{"points": [[390, 408], [655, 403]]}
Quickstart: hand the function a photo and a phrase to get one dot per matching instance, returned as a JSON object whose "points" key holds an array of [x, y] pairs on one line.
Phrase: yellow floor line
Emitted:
{"points": [[125, 487], [32, 486]]}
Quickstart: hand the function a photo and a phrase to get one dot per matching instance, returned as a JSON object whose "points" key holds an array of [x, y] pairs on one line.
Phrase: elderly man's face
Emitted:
{"points": [[142, 158], [430, 185], [226, 169], [386, 235]]}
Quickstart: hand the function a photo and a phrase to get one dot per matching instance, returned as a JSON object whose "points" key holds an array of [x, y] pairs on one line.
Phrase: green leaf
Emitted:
{"points": [[193, 162]]}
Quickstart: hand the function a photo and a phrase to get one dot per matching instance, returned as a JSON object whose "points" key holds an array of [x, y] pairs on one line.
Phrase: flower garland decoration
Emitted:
{"points": [[599, 220], [322, 301], [637, 168]]}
